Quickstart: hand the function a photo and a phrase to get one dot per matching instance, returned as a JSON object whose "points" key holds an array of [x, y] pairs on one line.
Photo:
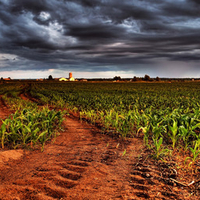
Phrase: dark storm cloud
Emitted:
{"points": [[179, 8], [19, 6], [95, 32], [195, 1], [98, 34]]}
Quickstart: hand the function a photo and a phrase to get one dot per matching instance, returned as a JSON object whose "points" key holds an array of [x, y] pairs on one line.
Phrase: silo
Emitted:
{"points": [[70, 75]]}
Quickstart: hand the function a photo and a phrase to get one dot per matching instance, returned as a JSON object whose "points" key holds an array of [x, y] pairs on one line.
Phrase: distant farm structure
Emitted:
{"points": [[63, 79], [6, 79], [71, 78]]}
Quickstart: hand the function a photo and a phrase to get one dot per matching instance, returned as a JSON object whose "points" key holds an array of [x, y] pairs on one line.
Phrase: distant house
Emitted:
{"points": [[7, 79], [72, 79], [63, 79]]}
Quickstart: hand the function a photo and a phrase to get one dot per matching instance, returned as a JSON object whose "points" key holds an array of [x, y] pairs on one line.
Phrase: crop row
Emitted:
{"points": [[29, 125], [168, 115]]}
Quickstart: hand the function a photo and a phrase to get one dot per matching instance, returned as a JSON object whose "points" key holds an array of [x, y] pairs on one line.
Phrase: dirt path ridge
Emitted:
{"points": [[83, 163]]}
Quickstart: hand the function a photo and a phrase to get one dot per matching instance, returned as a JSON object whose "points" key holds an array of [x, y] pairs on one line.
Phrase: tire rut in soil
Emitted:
{"points": [[145, 181], [4, 111], [28, 97], [78, 154], [54, 181]]}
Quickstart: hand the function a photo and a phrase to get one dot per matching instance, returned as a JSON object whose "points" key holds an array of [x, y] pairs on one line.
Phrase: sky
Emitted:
{"points": [[99, 38]]}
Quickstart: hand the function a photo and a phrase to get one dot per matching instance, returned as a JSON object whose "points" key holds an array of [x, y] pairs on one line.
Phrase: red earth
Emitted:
{"points": [[85, 163]]}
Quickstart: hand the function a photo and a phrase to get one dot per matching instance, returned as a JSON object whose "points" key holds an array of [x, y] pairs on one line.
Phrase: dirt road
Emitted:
{"points": [[83, 163]]}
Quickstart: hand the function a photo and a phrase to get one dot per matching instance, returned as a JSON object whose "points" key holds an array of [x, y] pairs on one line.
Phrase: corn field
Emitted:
{"points": [[29, 125], [166, 115]]}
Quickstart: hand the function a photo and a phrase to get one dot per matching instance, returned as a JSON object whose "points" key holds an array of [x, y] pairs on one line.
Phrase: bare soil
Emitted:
{"points": [[84, 163]]}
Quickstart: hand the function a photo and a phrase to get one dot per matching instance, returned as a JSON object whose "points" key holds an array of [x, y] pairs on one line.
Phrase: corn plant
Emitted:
{"points": [[167, 111], [173, 133], [3, 135], [185, 135], [158, 150], [29, 126], [145, 130], [195, 152]]}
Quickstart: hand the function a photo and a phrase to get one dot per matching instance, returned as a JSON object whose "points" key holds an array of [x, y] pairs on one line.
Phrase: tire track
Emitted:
{"points": [[4, 111], [27, 97], [54, 181], [83, 163], [145, 181], [70, 165]]}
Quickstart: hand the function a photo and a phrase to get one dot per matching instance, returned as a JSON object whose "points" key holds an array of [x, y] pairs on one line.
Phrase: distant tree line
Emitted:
{"points": [[145, 78]]}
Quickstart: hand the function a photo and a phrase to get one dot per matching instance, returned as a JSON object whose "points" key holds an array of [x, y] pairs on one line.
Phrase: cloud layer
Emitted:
{"points": [[156, 37]]}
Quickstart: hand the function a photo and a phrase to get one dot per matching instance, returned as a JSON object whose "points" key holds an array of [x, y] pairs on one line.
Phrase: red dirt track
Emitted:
{"points": [[83, 163]]}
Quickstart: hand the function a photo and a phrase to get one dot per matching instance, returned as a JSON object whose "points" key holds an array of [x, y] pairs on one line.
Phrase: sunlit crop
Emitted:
{"points": [[166, 115], [28, 125]]}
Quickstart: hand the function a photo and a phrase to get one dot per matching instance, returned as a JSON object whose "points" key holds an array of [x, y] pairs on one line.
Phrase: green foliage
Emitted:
{"points": [[195, 150], [168, 115], [27, 127], [158, 149], [173, 132]]}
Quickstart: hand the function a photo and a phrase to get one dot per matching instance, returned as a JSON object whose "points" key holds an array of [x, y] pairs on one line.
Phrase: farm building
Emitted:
{"points": [[7, 79], [71, 78], [63, 79]]}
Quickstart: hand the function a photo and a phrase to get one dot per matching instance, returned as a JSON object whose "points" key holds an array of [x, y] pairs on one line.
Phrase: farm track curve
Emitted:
{"points": [[83, 163], [28, 97], [4, 111]]}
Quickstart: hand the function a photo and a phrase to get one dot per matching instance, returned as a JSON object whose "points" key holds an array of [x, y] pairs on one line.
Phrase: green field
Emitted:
{"points": [[166, 115]]}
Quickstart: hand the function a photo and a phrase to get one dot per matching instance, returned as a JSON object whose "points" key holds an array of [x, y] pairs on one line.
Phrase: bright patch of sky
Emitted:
{"points": [[4, 57], [100, 38], [188, 23], [61, 73], [55, 32], [44, 16], [131, 25]]}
